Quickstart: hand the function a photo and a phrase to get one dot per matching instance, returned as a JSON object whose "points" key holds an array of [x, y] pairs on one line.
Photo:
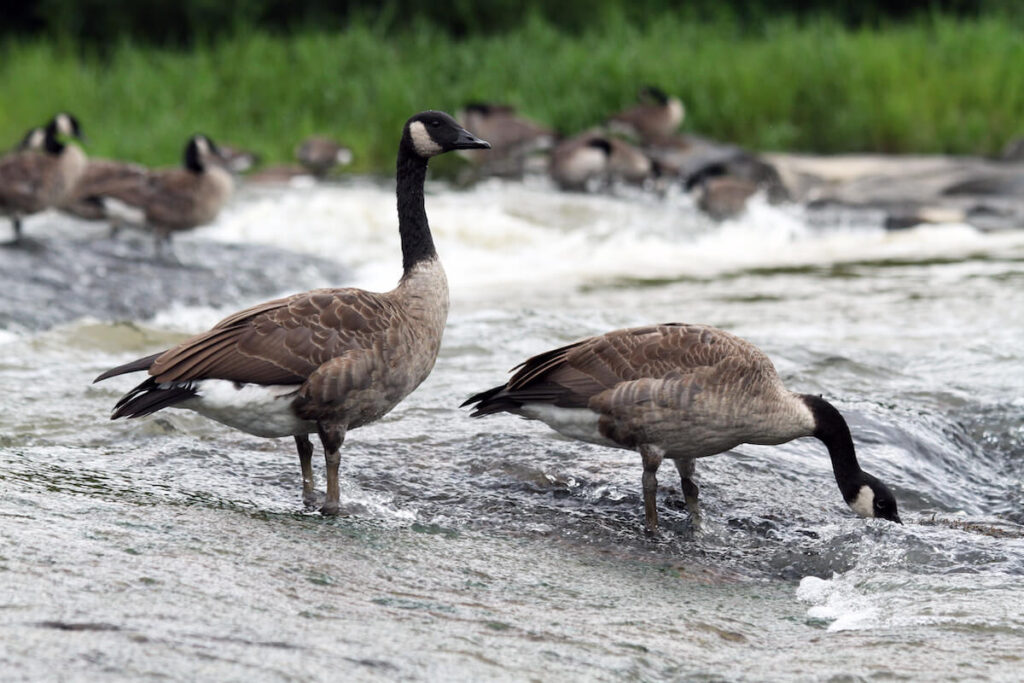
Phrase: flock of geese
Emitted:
{"points": [[331, 360], [639, 145], [46, 172]]}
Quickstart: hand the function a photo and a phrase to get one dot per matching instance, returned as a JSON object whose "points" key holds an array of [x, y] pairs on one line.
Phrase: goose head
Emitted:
{"points": [[874, 499], [66, 125], [34, 140], [431, 133], [61, 127], [198, 151]]}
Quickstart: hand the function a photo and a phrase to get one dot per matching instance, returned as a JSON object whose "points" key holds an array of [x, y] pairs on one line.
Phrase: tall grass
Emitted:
{"points": [[937, 85]]}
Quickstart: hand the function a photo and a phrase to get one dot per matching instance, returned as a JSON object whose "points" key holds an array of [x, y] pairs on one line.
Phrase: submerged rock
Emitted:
{"points": [[48, 281]]}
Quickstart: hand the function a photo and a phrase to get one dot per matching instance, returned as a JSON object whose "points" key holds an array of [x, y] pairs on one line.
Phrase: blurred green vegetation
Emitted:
{"points": [[937, 83], [100, 23]]}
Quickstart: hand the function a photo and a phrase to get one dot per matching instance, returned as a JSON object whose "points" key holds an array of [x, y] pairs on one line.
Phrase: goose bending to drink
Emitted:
{"points": [[325, 361], [680, 392]]}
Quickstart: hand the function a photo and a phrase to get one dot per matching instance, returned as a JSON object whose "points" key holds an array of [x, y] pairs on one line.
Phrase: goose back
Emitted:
{"points": [[692, 390]]}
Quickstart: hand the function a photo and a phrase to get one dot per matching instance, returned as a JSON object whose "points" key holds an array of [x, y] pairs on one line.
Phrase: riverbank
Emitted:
{"points": [[937, 85]]}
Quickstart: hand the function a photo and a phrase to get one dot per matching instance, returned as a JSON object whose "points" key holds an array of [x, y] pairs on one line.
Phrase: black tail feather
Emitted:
{"points": [[491, 401], [134, 366], [149, 397]]}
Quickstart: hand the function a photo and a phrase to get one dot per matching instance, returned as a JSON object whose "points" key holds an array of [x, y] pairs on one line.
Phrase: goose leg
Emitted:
{"points": [[690, 489], [305, 447], [331, 436], [16, 224], [164, 249], [652, 457]]}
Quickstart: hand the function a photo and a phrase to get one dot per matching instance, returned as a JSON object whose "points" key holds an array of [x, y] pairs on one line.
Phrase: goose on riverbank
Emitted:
{"points": [[656, 116], [319, 155], [325, 361], [591, 159], [680, 392], [178, 199], [513, 137], [101, 177], [35, 180]]}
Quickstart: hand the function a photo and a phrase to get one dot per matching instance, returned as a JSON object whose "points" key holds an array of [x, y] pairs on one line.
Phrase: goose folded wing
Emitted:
{"points": [[21, 176], [278, 342], [572, 375], [106, 178]]}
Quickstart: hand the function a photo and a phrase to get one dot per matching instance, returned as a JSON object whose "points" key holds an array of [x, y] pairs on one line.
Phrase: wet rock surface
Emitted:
{"points": [[48, 280], [910, 190]]}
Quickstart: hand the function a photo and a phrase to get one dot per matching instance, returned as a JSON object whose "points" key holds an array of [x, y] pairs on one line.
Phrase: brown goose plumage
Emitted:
{"points": [[178, 199], [513, 137], [592, 158], [101, 179], [33, 180], [656, 116], [324, 361], [676, 391], [319, 155]]}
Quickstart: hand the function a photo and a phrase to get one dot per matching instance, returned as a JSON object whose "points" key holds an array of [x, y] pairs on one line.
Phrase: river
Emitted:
{"points": [[172, 547]]}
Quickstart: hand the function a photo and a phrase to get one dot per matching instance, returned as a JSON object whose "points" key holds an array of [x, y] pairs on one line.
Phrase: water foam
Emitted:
{"points": [[837, 600], [501, 235]]}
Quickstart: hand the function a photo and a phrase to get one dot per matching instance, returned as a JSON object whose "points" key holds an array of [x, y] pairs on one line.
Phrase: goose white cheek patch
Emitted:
{"points": [[421, 140], [864, 503]]}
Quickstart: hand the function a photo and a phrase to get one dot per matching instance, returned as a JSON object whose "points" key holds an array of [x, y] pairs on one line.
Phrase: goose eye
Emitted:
{"points": [[435, 123]]}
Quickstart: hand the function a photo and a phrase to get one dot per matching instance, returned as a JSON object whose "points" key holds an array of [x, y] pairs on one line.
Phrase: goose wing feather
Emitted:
{"points": [[104, 177], [679, 354], [282, 341], [22, 177]]}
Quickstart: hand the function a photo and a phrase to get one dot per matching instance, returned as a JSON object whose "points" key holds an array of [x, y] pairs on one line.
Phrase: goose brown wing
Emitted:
{"points": [[282, 341], [171, 195], [103, 177], [572, 375], [22, 176]]}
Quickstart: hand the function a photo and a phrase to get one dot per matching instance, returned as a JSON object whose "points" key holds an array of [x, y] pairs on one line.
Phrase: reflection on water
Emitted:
{"points": [[483, 549]]}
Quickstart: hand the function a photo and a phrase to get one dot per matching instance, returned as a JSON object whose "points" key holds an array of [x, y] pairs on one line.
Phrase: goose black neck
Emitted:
{"points": [[831, 429], [417, 243], [50, 141]]}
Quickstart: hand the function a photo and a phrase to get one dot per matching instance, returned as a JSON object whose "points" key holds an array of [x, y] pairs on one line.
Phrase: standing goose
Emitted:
{"points": [[178, 199], [32, 181], [513, 138], [325, 361], [656, 116], [680, 392], [319, 155], [100, 178]]}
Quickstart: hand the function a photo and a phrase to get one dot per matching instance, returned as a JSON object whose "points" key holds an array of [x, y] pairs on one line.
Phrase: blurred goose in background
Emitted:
{"points": [[513, 138], [656, 116], [581, 162], [319, 155], [680, 392], [92, 196], [592, 159], [724, 197], [325, 361], [34, 180], [236, 159], [87, 198], [178, 199]]}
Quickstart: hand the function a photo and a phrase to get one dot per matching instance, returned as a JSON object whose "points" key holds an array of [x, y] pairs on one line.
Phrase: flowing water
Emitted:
{"points": [[173, 547]]}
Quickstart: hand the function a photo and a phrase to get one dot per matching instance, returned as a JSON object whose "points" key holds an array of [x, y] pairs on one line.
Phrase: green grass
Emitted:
{"points": [[936, 85]]}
